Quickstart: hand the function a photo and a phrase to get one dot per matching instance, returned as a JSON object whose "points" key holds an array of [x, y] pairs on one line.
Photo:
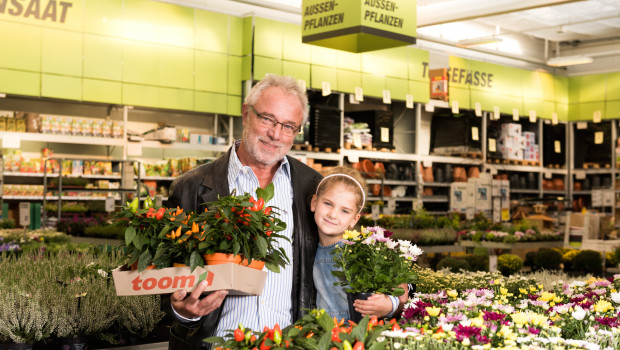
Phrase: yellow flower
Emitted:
{"points": [[602, 306], [350, 235], [433, 311], [453, 293], [522, 290], [546, 296], [477, 322], [503, 290], [533, 288]]}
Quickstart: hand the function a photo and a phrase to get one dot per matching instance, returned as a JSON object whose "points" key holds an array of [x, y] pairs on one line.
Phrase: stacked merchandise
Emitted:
{"points": [[381, 125], [530, 151], [517, 144], [455, 133], [356, 135]]}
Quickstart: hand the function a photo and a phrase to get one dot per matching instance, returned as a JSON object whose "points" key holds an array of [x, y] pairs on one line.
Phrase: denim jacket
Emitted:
{"points": [[329, 297]]}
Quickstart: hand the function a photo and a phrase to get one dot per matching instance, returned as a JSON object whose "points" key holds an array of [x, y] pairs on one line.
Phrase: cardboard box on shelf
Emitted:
{"points": [[237, 279], [439, 83]]}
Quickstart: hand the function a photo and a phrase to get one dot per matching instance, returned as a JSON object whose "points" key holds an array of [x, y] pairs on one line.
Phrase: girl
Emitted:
{"points": [[337, 205]]}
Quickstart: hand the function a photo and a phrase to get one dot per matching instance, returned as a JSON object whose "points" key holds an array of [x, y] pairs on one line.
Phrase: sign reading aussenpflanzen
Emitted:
{"points": [[359, 25]]}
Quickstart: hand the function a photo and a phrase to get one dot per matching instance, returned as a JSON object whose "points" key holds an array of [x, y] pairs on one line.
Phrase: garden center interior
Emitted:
{"points": [[505, 111]]}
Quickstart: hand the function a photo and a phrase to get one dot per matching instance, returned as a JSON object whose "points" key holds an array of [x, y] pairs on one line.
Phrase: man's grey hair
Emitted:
{"points": [[286, 83]]}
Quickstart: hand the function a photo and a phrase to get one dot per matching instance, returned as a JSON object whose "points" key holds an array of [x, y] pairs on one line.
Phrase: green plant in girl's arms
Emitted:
{"points": [[369, 261]]}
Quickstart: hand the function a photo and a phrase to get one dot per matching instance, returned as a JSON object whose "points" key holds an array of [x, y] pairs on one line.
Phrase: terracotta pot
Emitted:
{"points": [[387, 191], [375, 189], [368, 168], [223, 258], [427, 173], [357, 166], [459, 174], [558, 184], [175, 264], [577, 186], [473, 172], [379, 168]]}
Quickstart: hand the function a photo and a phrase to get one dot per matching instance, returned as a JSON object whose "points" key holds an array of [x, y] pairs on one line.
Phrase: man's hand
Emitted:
{"points": [[192, 306]]}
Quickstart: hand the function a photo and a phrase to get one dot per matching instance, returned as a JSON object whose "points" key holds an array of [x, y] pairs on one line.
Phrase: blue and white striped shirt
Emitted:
{"points": [[274, 305]]}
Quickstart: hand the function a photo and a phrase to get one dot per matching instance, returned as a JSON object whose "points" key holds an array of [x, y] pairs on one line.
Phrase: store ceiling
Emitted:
{"points": [[531, 31]]}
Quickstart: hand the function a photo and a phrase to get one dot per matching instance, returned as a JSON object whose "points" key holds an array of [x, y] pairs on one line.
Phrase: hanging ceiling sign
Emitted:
{"points": [[359, 25]]}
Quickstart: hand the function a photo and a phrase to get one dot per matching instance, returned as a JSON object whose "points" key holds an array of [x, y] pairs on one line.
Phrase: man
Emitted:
{"points": [[273, 113]]}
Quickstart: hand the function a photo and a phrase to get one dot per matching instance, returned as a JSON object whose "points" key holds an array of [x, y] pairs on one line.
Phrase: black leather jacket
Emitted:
{"points": [[203, 184]]}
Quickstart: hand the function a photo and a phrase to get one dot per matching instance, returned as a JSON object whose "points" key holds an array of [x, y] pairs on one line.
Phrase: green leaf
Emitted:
{"points": [[261, 243], [378, 346], [359, 331], [265, 193], [145, 260], [325, 341], [195, 259], [130, 234], [326, 322]]}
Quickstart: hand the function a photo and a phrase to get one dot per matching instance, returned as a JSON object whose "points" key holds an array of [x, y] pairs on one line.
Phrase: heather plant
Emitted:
{"points": [[139, 314]]}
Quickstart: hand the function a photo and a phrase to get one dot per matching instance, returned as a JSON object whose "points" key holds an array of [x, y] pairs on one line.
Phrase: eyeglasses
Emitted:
{"points": [[267, 121]]}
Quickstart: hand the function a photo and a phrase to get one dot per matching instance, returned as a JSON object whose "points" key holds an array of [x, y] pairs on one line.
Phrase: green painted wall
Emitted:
{"points": [[133, 52]]}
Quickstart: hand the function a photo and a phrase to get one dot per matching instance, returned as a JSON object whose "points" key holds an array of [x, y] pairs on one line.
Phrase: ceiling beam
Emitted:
{"points": [[446, 12]]}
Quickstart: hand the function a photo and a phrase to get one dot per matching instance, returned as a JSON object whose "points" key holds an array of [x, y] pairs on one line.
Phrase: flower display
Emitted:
{"points": [[234, 224], [369, 261]]}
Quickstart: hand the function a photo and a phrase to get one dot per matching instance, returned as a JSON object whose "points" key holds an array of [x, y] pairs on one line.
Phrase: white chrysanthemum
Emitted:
{"points": [[405, 244], [578, 314], [415, 251], [615, 297]]}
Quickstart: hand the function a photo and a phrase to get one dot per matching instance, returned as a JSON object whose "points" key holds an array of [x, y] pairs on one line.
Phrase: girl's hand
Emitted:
{"points": [[376, 305]]}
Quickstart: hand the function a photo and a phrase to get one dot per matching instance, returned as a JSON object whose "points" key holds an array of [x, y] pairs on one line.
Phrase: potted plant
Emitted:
{"points": [[236, 226], [370, 262]]}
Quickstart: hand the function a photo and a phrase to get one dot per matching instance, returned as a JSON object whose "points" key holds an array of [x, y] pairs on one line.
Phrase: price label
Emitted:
{"points": [[597, 116], [359, 94], [357, 140], [409, 101], [353, 158], [24, 214], [492, 170], [391, 204], [455, 107], [474, 133], [598, 137], [505, 214], [554, 118], [109, 204], [557, 146], [532, 116], [416, 204], [352, 99], [470, 212], [496, 113], [515, 114], [326, 88], [478, 109], [385, 134], [582, 125], [492, 145], [159, 200], [580, 174], [427, 163], [548, 175], [429, 107], [302, 84], [374, 211], [387, 98]]}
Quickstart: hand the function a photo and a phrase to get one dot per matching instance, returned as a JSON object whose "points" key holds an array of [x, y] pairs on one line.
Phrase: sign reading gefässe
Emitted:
{"points": [[359, 25]]}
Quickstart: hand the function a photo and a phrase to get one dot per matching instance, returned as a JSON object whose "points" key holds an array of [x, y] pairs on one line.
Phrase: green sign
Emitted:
{"points": [[359, 25]]}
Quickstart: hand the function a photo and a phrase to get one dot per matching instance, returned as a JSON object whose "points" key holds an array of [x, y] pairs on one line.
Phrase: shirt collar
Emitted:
{"points": [[235, 165]]}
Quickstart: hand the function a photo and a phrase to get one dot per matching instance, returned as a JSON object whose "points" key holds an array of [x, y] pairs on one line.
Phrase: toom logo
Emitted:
{"points": [[176, 282]]}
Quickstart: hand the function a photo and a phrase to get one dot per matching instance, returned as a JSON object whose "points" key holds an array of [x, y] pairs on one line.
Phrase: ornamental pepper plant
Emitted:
{"points": [[238, 225], [246, 226]]}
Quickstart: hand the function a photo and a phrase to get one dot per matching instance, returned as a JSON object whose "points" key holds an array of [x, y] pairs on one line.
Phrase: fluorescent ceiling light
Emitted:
{"points": [[478, 41], [568, 61]]}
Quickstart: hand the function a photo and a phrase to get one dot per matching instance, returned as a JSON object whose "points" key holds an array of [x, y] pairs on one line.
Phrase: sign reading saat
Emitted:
{"points": [[45, 10], [358, 25]]}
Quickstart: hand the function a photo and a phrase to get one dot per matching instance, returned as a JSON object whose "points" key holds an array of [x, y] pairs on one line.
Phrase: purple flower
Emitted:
{"points": [[534, 331], [608, 321], [493, 316], [463, 332]]}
